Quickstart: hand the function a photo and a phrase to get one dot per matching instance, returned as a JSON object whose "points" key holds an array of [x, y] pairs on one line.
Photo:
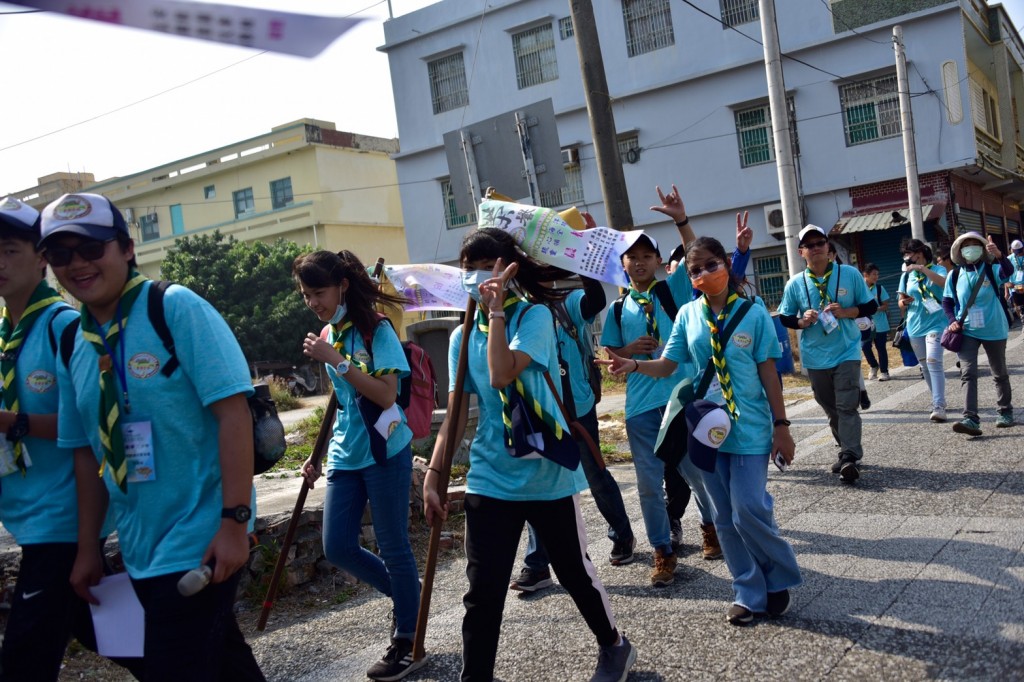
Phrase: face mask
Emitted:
{"points": [[907, 260], [472, 280], [713, 283], [971, 254], [339, 314]]}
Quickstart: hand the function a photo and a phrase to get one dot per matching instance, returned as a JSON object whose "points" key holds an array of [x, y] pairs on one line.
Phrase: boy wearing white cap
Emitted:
{"points": [[824, 301], [172, 442], [37, 493]]}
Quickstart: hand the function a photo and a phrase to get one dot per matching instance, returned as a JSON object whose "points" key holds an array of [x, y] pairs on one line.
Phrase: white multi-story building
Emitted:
{"points": [[689, 91]]}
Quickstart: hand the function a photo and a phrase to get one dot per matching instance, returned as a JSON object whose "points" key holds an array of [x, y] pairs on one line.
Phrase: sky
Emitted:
{"points": [[84, 96]]}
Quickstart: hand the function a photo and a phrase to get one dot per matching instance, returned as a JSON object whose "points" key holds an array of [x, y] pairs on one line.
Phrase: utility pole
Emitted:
{"points": [[789, 193], [907, 125], [602, 120]]}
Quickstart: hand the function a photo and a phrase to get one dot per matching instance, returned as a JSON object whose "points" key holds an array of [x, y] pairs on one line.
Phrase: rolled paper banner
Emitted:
{"points": [[428, 286]]}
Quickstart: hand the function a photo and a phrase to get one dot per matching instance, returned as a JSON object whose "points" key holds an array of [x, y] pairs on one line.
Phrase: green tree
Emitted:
{"points": [[251, 285]]}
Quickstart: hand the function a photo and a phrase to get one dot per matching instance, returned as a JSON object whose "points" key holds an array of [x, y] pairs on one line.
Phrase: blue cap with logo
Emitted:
{"points": [[17, 215], [88, 215]]}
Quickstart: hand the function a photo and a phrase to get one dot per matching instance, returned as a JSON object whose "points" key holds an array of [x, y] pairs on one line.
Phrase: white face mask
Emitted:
{"points": [[339, 314], [971, 253], [471, 281]]}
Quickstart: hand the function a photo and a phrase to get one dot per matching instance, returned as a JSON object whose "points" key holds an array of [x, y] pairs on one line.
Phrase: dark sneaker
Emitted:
{"points": [[530, 580], [849, 471], [676, 531], [837, 465], [865, 401], [397, 662], [778, 603], [1005, 421], [614, 662], [622, 552], [709, 542], [739, 615], [664, 571], [968, 426]]}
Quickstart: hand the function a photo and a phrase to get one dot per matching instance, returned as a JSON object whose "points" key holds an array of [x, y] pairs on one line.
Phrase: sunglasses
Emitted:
{"points": [[709, 267], [814, 245], [90, 250]]}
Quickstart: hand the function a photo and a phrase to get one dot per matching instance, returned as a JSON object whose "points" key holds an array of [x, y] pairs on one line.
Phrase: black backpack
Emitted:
{"points": [[267, 430]]}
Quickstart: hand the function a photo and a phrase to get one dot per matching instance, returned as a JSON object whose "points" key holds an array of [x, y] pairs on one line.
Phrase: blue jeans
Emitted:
{"points": [[393, 573], [929, 353], [642, 432], [606, 494], [759, 560]]}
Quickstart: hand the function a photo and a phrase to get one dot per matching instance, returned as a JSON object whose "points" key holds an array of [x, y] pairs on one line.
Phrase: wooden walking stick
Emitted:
{"points": [[323, 438], [450, 443]]}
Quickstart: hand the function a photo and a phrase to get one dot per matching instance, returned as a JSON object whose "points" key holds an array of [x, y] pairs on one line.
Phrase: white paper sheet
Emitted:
{"points": [[119, 620]]}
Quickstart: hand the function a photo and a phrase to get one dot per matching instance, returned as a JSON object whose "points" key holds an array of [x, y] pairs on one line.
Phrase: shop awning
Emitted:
{"points": [[883, 220]]}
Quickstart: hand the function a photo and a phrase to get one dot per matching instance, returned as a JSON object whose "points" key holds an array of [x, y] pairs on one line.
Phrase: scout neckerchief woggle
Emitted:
{"points": [[111, 373], [822, 285], [645, 300], [510, 306], [715, 324], [11, 339], [923, 288], [339, 345]]}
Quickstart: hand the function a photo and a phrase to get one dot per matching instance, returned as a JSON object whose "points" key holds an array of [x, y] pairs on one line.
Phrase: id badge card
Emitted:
{"points": [[714, 393], [8, 465], [931, 305], [138, 450], [1017, 277], [976, 318], [828, 321]]}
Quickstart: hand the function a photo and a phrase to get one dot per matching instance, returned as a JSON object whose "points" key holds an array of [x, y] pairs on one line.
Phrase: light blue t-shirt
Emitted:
{"points": [[985, 318], [920, 322], [492, 471], [569, 348], [42, 505], [1017, 276], [752, 342], [644, 393], [164, 525], [819, 350], [880, 318], [350, 445]]}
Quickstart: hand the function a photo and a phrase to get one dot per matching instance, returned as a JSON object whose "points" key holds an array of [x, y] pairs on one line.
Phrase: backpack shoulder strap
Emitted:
{"points": [[990, 270], [617, 309], [954, 276], [49, 327], [562, 318], [159, 321], [67, 341], [664, 296]]}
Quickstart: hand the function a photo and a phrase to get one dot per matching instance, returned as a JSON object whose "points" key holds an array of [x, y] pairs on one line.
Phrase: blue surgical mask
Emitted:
{"points": [[971, 253], [471, 281], [339, 314]]}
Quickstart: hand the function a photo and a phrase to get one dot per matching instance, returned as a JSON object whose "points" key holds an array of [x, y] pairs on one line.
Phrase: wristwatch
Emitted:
{"points": [[342, 367], [241, 513], [781, 422], [19, 429]]}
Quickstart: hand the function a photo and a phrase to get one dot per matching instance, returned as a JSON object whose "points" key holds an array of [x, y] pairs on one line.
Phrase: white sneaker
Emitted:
{"points": [[873, 374], [884, 376], [939, 415]]}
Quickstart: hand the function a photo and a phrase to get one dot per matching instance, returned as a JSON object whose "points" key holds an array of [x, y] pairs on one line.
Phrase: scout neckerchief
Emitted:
{"points": [[11, 339], [645, 300], [510, 306], [922, 287], [339, 345], [822, 285], [715, 324], [111, 372]]}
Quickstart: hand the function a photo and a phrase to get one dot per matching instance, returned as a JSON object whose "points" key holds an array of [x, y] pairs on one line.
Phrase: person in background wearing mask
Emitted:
{"points": [[877, 338], [985, 324], [510, 347], [942, 258], [824, 301], [920, 299], [1015, 285]]}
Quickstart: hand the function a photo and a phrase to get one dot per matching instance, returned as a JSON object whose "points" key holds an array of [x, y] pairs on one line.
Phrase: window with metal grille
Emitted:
{"points": [[871, 110], [243, 201], [736, 12], [627, 144], [149, 226], [572, 192], [754, 132], [281, 193], [770, 276], [534, 51], [648, 26], [448, 88], [452, 218], [565, 28]]}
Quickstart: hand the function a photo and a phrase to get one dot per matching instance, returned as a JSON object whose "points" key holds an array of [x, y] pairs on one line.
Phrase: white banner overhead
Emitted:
{"points": [[303, 35], [429, 286]]}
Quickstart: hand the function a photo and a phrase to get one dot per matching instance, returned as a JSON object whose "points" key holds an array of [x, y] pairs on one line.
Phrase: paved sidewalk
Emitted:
{"points": [[916, 572]]}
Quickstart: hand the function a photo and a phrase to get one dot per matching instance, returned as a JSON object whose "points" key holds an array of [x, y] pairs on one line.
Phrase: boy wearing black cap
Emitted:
{"points": [[37, 493], [824, 301], [172, 442]]}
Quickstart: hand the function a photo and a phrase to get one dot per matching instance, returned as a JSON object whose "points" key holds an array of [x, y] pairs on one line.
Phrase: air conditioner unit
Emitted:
{"points": [[773, 220], [570, 156]]}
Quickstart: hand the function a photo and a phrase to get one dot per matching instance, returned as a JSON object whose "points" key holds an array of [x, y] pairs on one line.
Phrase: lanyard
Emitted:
{"points": [[825, 299]]}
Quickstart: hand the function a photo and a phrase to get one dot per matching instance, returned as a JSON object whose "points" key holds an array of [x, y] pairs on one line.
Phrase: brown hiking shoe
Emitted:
{"points": [[664, 569], [712, 550]]}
